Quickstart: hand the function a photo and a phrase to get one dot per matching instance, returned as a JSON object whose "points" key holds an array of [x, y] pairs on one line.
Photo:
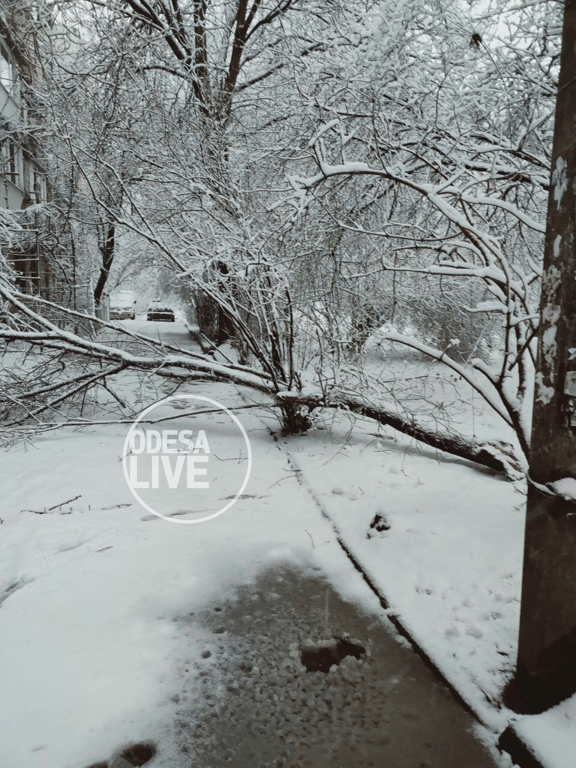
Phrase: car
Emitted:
{"points": [[122, 306], [122, 313], [160, 314]]}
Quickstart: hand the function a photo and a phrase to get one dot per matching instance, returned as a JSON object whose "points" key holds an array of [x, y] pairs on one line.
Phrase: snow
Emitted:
{"points": [[450, 563], [465, 373], [89, 639], [550, 736], [537, 226], [565, 487], [350, 167], [490, 306], [91, 592]]}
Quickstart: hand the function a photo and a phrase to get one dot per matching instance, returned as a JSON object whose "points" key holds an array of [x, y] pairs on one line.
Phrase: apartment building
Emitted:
{"points": [[22, 180]]}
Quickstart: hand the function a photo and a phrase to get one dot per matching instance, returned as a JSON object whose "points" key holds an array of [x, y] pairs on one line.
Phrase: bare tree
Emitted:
{"points": [[456, 178]]}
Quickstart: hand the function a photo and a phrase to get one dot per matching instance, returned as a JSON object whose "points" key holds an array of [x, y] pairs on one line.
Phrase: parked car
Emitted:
{"points": [[122, 313], [160, 314], [123, 306]]}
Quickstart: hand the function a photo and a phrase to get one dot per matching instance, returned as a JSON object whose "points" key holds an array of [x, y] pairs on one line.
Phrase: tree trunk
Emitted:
{"points": [[546, 671], [499, 456], [107, 251]]}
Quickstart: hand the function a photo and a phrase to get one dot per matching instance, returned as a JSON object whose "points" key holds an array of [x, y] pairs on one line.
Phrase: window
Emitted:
{"points": [[39, 187], [11, 157], [7, 70]]}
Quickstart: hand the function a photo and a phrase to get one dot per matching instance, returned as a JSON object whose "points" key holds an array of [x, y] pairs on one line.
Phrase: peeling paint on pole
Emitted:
{"points": [[559, 180]]}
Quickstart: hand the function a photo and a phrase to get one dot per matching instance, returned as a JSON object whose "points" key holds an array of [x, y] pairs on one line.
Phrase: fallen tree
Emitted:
{"points": [[496, 455], [71, 364]]}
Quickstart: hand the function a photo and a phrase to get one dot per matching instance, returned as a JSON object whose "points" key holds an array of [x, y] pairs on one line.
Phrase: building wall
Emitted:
{"points": [[22, 181], [11, 155]]}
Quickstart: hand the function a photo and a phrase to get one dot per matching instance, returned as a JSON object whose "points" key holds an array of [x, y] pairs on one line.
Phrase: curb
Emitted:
{"points": [[194, 333], [508, 741], [518, 750]]}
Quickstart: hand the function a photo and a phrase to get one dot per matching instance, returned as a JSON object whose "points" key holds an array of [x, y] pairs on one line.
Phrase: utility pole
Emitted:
{"points": [[546, 671]]}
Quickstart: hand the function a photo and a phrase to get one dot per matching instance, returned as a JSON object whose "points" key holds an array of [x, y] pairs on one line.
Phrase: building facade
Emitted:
{"points": [[22, 177]]}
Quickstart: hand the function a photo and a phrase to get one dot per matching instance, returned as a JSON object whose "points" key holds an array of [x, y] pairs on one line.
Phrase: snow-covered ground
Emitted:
{"points": [[447, 557], [90, 590], [88, 632]]}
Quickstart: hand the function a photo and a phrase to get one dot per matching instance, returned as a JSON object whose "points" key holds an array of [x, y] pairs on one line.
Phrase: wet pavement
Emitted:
{"points": [[377, 705]]}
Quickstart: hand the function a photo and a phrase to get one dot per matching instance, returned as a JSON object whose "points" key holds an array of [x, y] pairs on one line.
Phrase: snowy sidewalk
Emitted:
{"points": [[441, 542], [309, 679], [95, 643]]}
